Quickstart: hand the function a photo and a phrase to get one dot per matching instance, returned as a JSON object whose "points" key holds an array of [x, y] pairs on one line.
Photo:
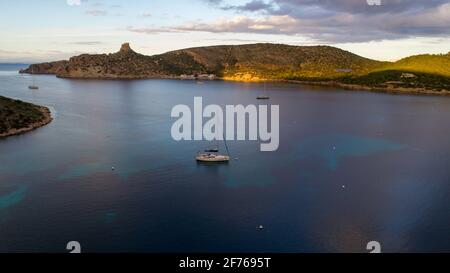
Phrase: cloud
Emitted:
{"points": [[36, 56], [356, 6], [334, 21], [242, 24], [89, 43], [305, 7], [153, 30], [252, 6], [97, 12]]}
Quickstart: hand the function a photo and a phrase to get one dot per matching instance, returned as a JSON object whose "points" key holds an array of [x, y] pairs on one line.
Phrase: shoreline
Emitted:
{"points": [[33, 126], [389, 89], [353, 87]]}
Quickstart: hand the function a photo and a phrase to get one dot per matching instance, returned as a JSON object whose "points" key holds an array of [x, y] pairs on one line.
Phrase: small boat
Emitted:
{"points": [[263, 98], [210, 157], [33, 87]]}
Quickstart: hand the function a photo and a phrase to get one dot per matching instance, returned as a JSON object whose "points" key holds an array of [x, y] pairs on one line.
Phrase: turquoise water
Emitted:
{"points": [[13, 197], [352, 167]]}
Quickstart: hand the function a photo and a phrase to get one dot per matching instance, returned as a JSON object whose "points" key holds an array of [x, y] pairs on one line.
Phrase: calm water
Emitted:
{"points": [[391, 152]]}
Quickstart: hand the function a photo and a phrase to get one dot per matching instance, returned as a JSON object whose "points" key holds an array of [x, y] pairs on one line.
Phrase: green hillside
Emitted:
{"points": [[432, 64], [401, 79], [254, 62], [16, 114], [276, 61]]}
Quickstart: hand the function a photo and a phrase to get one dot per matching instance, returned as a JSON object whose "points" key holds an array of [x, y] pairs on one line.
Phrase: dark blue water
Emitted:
{"points": [[391, 152]]}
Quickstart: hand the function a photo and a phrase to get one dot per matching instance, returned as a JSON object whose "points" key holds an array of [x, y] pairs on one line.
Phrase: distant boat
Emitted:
{"points": [[263, 97], [33, 85]]}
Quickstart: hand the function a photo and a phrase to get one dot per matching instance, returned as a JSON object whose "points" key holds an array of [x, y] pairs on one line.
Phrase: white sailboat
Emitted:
{"points": [[212, 157], [33, 86], [212, 154]]}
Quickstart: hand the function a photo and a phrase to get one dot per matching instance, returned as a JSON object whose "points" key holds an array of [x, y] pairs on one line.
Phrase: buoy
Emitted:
{"points": [[260, 227], [343, 186], [112, 168]]}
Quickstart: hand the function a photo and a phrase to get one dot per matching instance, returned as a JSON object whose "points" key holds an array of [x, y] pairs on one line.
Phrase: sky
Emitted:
{"points": [[48, 30]]}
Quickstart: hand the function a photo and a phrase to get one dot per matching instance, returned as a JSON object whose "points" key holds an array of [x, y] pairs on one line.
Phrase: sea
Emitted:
{"points": [[352, 167]]}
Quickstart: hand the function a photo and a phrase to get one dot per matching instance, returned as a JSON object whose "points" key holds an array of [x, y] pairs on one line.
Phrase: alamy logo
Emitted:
{"points": [[374, 2], [236, 117], [74, 247], [374, 247]]}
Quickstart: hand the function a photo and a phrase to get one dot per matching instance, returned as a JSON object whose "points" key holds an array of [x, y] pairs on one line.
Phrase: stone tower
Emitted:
{"points": [[126, 48]]}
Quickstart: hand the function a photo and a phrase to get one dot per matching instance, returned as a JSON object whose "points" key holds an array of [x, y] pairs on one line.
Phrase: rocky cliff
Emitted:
{"points": [[46, 68], [125, 64]]}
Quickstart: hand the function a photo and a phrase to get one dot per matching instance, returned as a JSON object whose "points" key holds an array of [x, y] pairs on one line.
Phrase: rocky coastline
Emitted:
{"points": [[32, 126]]}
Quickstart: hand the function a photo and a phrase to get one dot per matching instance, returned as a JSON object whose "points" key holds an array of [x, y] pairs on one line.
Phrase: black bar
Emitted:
{"points": [[276, 263]]}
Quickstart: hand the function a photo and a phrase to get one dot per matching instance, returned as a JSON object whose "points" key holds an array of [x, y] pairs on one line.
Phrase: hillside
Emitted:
{"points": [[243, 62], [401, 81], [276, 61], [254, 62], [432, 64], [18, 117], [46, 68], [419, 74]]}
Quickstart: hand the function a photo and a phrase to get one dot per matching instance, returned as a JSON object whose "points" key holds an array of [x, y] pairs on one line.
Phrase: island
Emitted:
{"points": [[17, 117], [320, 65]]}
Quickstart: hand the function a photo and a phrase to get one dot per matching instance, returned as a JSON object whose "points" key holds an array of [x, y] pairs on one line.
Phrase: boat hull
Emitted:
{"points": [[213, 158]]}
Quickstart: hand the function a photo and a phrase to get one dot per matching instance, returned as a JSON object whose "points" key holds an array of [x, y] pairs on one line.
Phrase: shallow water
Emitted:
{"points": [[352, 167]]}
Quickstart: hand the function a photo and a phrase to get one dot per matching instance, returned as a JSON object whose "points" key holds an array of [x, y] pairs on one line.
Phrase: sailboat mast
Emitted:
{"points": [[225, 139], [226, 145]]}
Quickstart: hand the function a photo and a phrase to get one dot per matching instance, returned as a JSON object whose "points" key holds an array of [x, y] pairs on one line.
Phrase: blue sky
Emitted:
{"points": [[33, 31]]}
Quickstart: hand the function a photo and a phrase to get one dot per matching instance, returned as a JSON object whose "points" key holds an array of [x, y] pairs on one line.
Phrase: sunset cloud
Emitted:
{"points": [[335, 21]]}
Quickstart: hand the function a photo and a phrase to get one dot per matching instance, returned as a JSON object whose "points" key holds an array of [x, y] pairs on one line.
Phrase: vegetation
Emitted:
{"points": [[401, 79], [16, 114], [256, 62], [430, 64], [252, 62], [276, 61], [427, 72]]}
